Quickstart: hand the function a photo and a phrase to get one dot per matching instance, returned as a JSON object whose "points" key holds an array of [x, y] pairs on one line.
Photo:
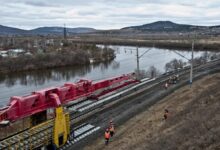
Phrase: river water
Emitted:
{"points": [[18, 84]]}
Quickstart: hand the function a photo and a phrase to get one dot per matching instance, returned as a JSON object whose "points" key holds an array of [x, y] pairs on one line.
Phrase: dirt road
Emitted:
{"points": [[193, 122]]}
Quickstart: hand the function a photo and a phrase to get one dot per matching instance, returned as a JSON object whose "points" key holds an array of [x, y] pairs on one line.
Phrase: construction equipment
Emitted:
{"points": [[20, 107], [41, 119]]}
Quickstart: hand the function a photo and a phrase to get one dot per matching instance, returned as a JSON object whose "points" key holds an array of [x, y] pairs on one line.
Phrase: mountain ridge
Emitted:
{"points": [[5, 30], [157, 26], [165, 25]]}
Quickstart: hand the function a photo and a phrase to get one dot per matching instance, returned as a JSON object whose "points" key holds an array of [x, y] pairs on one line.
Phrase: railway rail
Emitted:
{"points": [[136, 103], [42, 134]]}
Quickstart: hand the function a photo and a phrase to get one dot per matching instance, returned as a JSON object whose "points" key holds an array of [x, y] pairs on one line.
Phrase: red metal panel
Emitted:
{"points": [[20, 107]]}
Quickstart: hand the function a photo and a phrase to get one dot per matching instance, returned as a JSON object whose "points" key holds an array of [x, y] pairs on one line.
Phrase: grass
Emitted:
{"points": [[193, 122]]}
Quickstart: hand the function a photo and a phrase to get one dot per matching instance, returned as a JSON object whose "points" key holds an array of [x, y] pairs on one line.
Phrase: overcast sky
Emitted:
{"points": [[106, 14]]}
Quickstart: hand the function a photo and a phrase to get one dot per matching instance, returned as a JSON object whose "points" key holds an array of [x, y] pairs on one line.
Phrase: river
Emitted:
{"points": [[18, 84]]}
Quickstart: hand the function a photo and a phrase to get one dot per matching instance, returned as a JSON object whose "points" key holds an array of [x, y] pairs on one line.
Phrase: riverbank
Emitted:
{"points": [[68, 56], [193, 122], [207, 44]]}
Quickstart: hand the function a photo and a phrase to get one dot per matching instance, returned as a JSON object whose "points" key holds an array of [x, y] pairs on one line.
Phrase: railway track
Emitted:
{"points": [[42, 134], [80, 133], [140, 101], [30, 139], [88, 106]]}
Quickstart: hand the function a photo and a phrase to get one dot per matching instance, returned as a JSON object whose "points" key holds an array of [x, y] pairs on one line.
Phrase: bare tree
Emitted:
{"points": [[153, 72], [174, 64]]}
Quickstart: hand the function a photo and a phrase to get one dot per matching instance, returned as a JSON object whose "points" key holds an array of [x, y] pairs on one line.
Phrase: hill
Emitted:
{"points": [[165, 26], [4, 30], [59, 30]]}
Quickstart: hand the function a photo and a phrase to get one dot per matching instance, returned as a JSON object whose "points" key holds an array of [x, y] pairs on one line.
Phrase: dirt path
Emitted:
{"points": [[193, 122]]}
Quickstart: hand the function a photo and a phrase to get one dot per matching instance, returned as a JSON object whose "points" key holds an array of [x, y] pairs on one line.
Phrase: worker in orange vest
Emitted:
{"points": [[166, 112], [111, 128], [166, 85], [107, 136]]}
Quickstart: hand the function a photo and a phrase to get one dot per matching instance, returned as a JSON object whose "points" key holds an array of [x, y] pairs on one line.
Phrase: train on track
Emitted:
{"points": [[25, 116]]}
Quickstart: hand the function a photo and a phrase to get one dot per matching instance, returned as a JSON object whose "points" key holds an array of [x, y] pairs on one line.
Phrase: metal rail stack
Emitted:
{"points": [[32, 138]]}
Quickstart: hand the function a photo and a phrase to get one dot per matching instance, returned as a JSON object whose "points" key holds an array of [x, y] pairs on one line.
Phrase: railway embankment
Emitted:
{"points": [[130, 108], [193, 121]]}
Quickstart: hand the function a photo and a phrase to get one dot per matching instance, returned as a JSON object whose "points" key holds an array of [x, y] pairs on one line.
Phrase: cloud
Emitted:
{"points": [[40, 4], [105, 14]]}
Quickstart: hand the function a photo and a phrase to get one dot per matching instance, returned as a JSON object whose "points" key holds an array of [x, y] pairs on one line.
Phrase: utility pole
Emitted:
{"points": [[64, 32], [191, 68], [138, 67], [138, 57], [138, 60]]}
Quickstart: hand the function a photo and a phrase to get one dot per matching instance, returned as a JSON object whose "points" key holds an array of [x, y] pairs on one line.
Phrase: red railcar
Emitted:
{"points": [[38, 101]]}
